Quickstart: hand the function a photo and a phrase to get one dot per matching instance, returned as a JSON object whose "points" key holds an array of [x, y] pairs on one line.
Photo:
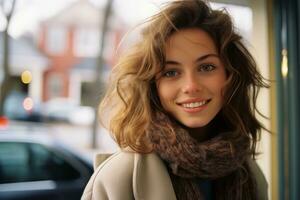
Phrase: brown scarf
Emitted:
{"points": [[221, 159]]}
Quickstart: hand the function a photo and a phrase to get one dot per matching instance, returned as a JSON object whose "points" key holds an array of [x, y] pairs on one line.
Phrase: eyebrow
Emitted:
{"points": [[201, 58]]}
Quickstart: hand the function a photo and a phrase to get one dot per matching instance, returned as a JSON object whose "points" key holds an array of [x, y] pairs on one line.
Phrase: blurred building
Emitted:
{"points": [[71, 41], [24, 56]]}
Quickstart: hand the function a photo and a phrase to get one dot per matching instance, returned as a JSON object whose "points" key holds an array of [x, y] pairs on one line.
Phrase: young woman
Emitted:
{"points": [[181, 106]]}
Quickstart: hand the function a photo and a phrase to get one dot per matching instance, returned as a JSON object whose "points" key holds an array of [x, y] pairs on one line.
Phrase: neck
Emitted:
{"points": [[207, 132], [203, 133]]}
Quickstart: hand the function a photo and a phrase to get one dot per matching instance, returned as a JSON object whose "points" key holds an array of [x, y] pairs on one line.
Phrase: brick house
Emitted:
{"points": [[70, 39]]}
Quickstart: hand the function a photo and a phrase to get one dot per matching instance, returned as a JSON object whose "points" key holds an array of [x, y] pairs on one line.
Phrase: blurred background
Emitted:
{"points": [[55, 57]]}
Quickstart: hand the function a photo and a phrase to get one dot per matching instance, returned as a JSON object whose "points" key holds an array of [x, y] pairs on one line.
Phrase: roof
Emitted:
{"points": [[86, 68], [86, 64], [23, 54]]}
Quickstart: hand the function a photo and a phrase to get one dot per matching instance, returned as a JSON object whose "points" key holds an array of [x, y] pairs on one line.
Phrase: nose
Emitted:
{"points": [[191, 84]]}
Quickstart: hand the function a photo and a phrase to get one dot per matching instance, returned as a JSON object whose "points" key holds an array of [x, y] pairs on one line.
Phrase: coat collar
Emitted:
{"points": [[151, 179]]}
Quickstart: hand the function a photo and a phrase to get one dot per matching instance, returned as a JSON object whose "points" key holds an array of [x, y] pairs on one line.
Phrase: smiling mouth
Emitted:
{"points": [[195, 104]]}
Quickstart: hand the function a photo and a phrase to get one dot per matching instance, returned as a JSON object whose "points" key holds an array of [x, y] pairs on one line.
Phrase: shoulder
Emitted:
{"points": [[261, 182], [113, 174], [124, 162], [126, 175]]}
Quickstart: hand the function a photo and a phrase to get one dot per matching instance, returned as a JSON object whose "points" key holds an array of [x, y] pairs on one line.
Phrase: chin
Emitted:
{"points": [[195, 124]]}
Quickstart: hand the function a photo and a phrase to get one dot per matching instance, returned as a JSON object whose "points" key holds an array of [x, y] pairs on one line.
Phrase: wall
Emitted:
{"points": [[260, 50]]}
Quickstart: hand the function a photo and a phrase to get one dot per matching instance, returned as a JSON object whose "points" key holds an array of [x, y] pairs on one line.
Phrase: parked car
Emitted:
{"points": [[66, 110], [37, 168]]}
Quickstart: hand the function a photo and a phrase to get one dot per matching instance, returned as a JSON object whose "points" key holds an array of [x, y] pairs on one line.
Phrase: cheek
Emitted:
{"points": [[224, 86], [164, 93], [218, 88]]}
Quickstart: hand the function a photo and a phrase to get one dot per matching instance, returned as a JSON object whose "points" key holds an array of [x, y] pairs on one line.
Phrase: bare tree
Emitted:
{"points": [[99, 83], [7, 8]]}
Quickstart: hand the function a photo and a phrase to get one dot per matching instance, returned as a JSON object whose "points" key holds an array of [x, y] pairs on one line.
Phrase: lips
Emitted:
{"points": [[191, 104]]}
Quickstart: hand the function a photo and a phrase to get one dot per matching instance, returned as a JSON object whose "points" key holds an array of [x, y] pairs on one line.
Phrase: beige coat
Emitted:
{"points": [[128, 176]]}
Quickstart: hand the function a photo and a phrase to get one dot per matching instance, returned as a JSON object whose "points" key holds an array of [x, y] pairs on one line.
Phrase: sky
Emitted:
{"points": [[29, 13]]}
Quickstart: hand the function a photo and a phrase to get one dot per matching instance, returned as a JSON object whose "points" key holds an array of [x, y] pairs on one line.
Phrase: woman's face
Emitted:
{"points": [[190, 87]]}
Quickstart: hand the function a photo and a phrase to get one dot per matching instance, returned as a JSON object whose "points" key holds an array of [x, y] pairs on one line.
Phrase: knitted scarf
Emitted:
{"points": [[221, 159]]}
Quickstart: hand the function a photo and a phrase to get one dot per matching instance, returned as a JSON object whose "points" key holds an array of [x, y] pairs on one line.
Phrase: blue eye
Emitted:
{"points": [[207, 68], [170, 73]]}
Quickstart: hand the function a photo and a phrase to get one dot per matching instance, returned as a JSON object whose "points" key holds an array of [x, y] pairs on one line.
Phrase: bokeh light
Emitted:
{"points": [[284, 64], [28, 104], [26, 77]]}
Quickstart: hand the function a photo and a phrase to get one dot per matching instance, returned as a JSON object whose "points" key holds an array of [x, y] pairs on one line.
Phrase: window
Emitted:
{"points": [[86, 42], [55, 85], [21, 162], [56, 39]]}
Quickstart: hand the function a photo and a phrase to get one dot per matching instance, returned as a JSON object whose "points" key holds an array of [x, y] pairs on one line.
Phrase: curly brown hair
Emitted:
{"points": [[131, 99]]}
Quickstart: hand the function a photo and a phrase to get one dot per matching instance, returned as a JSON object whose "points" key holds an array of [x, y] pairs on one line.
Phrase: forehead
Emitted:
{"points": [[190, 40]]}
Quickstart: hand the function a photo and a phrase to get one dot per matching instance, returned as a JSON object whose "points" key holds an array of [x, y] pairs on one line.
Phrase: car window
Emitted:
{"points": [[21, 162]]}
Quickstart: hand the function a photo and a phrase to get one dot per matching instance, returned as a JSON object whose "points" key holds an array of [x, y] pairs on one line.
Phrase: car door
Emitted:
{"points": [[32, 171]]}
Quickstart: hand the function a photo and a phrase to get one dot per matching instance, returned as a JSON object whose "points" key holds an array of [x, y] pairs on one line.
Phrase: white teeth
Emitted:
{"points": [[194, 104]]}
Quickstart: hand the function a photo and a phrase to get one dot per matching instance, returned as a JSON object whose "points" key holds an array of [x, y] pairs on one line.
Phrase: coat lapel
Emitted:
{"points": [[151, 179]]}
